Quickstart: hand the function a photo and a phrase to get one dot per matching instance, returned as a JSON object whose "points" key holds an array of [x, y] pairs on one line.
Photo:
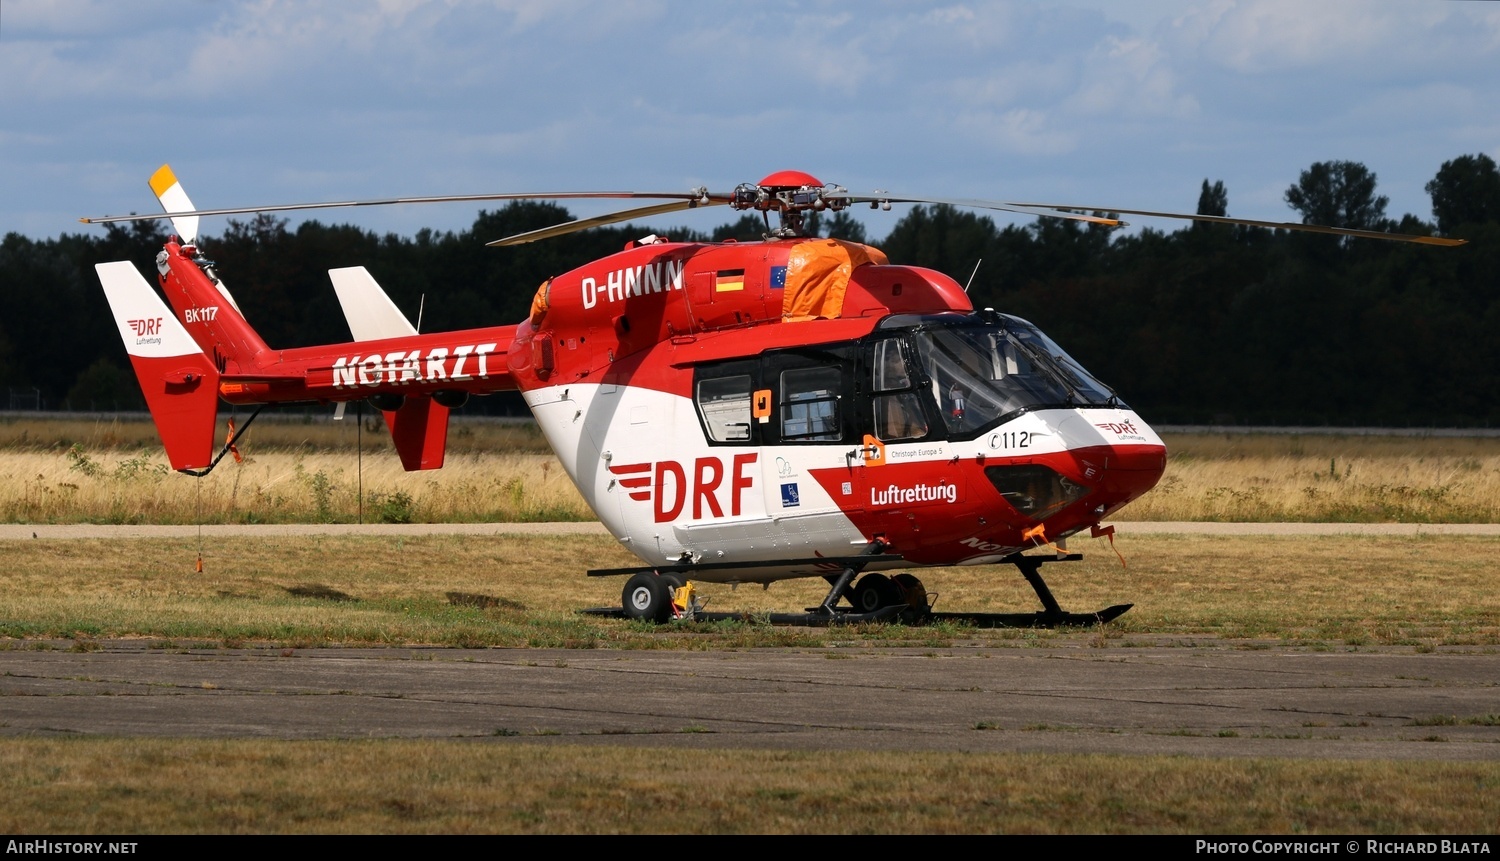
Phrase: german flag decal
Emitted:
{"points": [[729, 280]]}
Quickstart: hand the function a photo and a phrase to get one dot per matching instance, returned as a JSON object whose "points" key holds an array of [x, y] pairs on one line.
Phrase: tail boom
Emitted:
{"points": [[412, 365], [207, 312], [207, 350]]}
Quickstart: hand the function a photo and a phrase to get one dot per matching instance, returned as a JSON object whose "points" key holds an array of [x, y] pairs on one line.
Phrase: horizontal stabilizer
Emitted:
{"points": [[181, 385], [370, 313]]}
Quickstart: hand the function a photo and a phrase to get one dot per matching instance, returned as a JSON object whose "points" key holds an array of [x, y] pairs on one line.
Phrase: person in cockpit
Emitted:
{"points": [[898, 414]]}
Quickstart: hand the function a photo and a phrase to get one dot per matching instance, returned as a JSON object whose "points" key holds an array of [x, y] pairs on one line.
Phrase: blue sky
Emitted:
{"points": [[1094, 103]]}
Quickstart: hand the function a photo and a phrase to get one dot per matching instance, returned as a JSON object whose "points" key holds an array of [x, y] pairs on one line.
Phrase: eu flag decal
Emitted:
{"points": [[778, 277], [729, 280]]}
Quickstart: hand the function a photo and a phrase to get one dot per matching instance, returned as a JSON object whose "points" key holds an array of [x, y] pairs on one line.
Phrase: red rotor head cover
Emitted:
{"points": [[790, 179]]}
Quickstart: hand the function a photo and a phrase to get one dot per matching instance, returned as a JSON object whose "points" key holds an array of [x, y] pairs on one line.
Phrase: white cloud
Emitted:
{"points": [[1133, 103], [1018, 131], [1340, 37], [1131, 77]]}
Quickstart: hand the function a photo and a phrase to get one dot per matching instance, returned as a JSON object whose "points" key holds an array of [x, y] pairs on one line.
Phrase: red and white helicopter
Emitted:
{"points": [[734, 412]]}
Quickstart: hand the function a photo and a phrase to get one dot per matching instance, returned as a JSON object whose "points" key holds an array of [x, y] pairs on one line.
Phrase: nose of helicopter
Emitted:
{"points": [[1118, 456], [1120, 472], [1075, 488], [1108, 460]]}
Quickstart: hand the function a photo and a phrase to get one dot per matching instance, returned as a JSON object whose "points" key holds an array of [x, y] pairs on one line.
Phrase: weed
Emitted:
{"points": [[1436, 720], [394, 507], [1455, 720], [81, 462], [515, 490], [322, 490], [140, 466]]}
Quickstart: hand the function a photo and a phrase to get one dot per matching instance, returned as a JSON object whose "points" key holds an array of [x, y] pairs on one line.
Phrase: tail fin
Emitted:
{"points": [[419, 426], [419, 431], [181, 385]]}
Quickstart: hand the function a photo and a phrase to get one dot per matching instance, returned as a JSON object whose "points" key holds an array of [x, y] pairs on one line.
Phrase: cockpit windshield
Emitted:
{"points": [[984, 369]]}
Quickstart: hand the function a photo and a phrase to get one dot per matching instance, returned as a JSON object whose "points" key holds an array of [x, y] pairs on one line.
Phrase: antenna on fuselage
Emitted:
{"points": [[421, 306], [972, 274]]}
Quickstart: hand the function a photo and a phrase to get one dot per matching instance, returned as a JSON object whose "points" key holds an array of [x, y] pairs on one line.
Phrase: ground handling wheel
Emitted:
{"points": [[872, 592], [648, 595], [913, 593]]}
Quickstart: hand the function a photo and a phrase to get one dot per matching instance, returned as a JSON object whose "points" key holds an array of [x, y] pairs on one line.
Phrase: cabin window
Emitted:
{"points": [[810, 404], [724, 404]]}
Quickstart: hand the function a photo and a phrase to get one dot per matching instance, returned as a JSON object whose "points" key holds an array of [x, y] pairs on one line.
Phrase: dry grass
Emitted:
{"points": [[1326, 478], [301, 431], [145, 787], [297, 474], [308, 469]]}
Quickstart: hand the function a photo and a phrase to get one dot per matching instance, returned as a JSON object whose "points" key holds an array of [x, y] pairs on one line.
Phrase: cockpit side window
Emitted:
{"points": [[889, 367], [982, 373], [962, 373], [897, 408]]}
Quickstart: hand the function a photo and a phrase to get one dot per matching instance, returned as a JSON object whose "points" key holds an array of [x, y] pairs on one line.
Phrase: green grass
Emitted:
{"points": [[526, 591]]}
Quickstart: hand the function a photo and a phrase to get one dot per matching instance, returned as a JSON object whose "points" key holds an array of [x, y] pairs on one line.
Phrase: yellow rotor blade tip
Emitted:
{"points": [[163, 179]]}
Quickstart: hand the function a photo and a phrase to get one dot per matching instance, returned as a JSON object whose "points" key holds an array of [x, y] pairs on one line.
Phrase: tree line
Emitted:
{"points": [[1207, 323]]}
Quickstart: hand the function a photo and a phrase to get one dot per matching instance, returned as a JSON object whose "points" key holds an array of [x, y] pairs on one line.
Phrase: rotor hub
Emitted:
{"points": [[789, 193]]}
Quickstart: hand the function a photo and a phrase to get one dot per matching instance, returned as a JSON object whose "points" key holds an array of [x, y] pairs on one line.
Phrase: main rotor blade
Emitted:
{"points": [[392, 201], [598, 220], [1002, 206], [1280, 225]]}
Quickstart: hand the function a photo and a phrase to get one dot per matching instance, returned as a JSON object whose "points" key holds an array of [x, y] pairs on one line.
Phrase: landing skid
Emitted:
{"points": [[1031, 620], [1053, 616], [915, 612], [902, 615]]}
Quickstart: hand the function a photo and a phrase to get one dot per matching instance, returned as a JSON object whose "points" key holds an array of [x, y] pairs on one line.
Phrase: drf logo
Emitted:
{"points": [[667, 482], [200, 315], [1121, 428], [148, 326]]}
